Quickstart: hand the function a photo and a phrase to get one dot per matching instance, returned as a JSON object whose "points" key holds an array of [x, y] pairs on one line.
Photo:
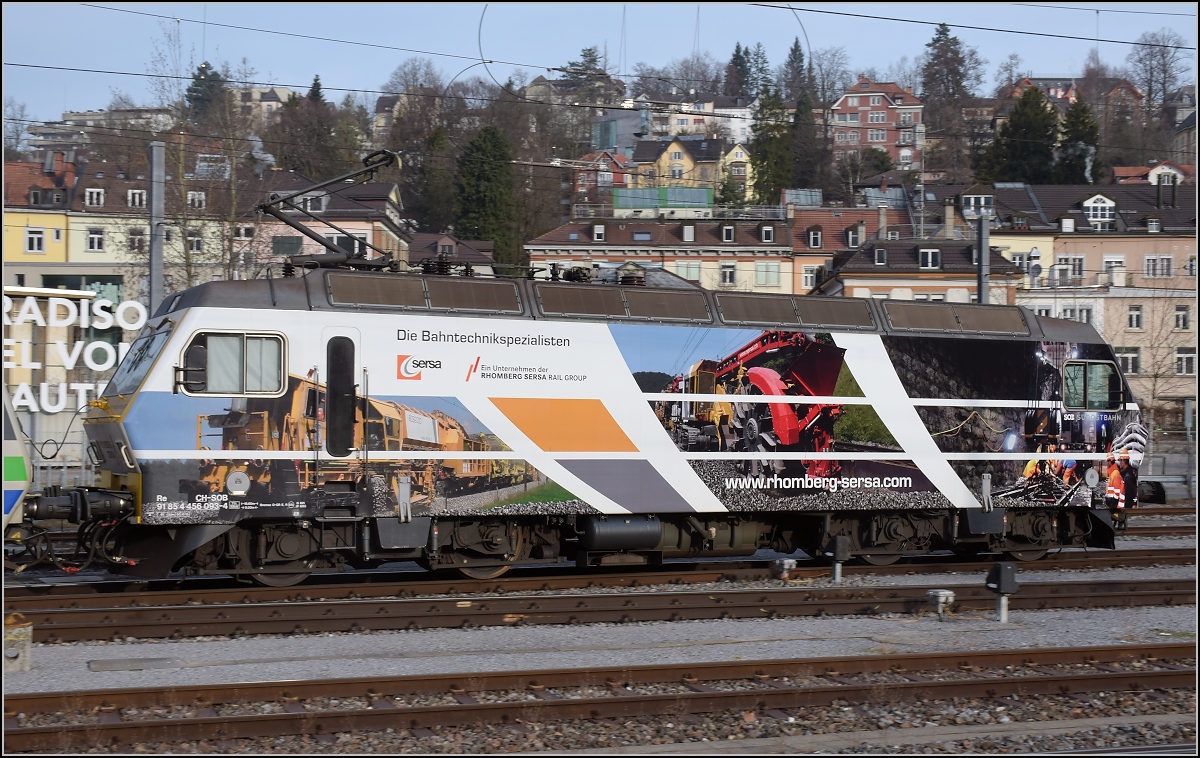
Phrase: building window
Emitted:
{"points": [[1043, 312], [1185, 361], [852, 102], [35, 197], [881, 256], [852, 239], [195, 200], [768, 234], [137, 240], [931, 259], [893, 235], [677, 155], [876, 135], [1084, 316], [876, 99], [766, 274], [728, 273], [689, 233], [1130, 359], [243, 232], [738, 170], [727, 234], [35, 240], [604, 177], [598, 233], [1072, 265], [95, 240], [876, 117], [1158, 266], [676, 172], [641, 236], [1019, 260], [1183, 317], [1135, 317], [1100, 213], [1153, 225], [808, 277], [852, 137], [137, 198], [681, 122], [689, 270], [814, 238], [906, 119], [1190, 267], [94, 198], [314, 204], [195, 243]]}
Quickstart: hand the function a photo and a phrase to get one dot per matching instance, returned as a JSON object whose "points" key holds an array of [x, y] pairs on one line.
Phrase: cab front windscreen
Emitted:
{"points": [[142, 353]]}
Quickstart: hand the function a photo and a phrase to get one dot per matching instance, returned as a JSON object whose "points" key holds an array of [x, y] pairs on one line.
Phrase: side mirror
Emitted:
{"points": [[193, 377]]}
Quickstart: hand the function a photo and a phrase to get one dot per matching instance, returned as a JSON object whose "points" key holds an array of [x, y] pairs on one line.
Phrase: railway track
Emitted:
{"points": [[116, 594], [352, 615], [110, 719]]}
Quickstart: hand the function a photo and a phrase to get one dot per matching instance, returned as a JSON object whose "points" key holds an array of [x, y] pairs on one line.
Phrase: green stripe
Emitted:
{"points": [[14, 469]]}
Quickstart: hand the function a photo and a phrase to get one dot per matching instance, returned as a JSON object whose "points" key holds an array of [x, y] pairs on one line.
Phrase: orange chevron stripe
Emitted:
{"points": [[561, 425]]}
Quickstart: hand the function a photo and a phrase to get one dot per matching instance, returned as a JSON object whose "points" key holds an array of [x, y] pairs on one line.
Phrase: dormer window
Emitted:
{"points": [[689, 232], [881, 256], [852, 239], [598, 233], [814, 238], [975, 205], [641, 236], [1154, 225], [196, 200], [768, 234], [727, 233], [137, 198], [931, 259], [1100, 212], [94, 198], [1020, 222], [35, 197]]}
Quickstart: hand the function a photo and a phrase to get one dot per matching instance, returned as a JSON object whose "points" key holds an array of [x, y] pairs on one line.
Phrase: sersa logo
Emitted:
{"points": [[410, 367]]}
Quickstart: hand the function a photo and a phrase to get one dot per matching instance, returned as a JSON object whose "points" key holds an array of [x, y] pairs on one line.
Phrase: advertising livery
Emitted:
{"points": [[315, 432]]}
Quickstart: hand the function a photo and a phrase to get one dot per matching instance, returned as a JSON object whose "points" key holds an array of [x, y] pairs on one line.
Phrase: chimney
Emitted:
{"points": [[862, 232], [908, 90], [883, 183], [1158, 193], [883, 209], [948, 225]]}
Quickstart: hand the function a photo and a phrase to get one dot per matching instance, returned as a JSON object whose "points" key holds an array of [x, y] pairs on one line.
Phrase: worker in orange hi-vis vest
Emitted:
{"points": [[1114, 493], [1054, 464]]}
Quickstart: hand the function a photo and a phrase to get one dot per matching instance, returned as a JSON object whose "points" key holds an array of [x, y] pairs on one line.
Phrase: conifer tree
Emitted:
{"points": [[1023, 150], [484, 182], [792, 76], [770, 148], [808, 154], [436, 205], [1077, 162], [737, 73], [205, 93]]}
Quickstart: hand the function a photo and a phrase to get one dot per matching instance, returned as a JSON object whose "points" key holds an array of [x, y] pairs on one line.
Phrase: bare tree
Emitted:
{"points": [[16, 121], [1157, 64], [831, 75], [1007, 74]]}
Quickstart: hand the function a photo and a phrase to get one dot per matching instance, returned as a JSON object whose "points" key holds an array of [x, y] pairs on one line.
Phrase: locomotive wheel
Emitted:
{"points": [[880, 559], [484, 573], [754, 422], [280, 580], [1025, 555]]}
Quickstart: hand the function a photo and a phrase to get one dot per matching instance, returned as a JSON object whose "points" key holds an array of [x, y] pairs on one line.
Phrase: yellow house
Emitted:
{"points": [[35, 236], [687, 161]]}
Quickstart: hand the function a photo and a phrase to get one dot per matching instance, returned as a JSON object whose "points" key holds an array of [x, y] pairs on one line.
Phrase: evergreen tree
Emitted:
{"points": [[730, 191], [484, 182], [1023, 150], [315, 96], [436, 204], [205, 94], [770, 148], [792, 76], [950, 74], [808, 154], [759, 70], [1077, 162], [313, 137], [737, 73]]}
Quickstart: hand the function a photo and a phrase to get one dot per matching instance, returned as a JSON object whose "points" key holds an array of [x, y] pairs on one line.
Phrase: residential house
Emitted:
{"points": [[931, 270], [882, 115], [433, 252], [1155, 172], [597, 174], [37, 196], [365, 220], [1183, 140], [260, 104], [76, 129], [689, 161], [821, 234], [722, 254]]}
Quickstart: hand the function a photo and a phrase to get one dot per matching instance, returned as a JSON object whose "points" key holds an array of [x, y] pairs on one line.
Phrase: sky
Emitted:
{"points": [[296, 41]]}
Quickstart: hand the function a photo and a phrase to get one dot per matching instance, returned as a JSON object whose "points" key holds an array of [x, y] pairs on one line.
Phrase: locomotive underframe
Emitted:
{"points": [[286, 551]]}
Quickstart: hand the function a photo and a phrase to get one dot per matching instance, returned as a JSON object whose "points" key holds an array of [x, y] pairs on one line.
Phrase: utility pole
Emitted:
{"points": [[158, 188], [984, 256]]}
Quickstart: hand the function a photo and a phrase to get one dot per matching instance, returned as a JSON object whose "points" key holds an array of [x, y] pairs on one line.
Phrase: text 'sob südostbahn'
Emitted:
{"points": [[274, 427]]}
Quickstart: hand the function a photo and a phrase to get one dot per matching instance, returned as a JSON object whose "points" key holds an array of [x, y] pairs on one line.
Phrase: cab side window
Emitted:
{"points": [[1092, 386], [223, 363]]}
